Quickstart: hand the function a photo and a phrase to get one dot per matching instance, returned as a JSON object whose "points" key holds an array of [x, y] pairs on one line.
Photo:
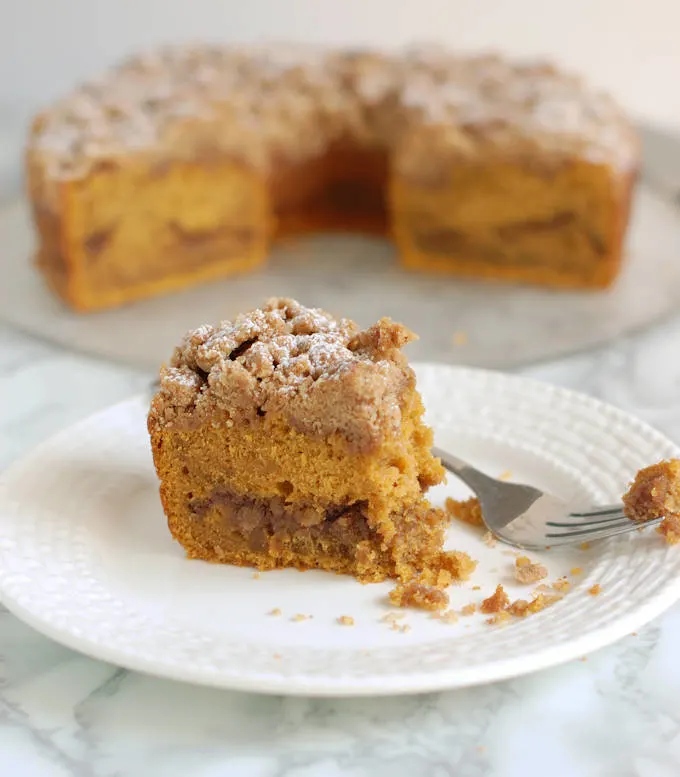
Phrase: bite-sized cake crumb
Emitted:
{"points": [[468, 511], [505, 475], [655, 493], [595, 589], [346, 620], [476, 587], [275, 611], [489, 539], [498, 601], [562, 584], [300, 617], [584, 546], [404, 628], [526, 571], [520, 608], [415, 594], [459, 338], [469, 609], [256, 575], [575, 571]]}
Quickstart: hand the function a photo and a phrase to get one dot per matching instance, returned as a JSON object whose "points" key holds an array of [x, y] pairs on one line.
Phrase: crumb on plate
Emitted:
{"points": [[526, 571], [415, 594], [498, 601]]}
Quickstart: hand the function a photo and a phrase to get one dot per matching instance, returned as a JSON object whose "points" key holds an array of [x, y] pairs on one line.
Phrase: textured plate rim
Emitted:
{"points": [[410, 683]]}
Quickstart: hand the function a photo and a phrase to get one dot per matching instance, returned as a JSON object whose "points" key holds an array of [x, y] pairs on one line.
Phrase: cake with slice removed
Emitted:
{"points": [[287, 438]]}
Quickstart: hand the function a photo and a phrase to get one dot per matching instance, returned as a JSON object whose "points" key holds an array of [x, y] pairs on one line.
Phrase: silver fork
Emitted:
{"points": [[528, 518]]}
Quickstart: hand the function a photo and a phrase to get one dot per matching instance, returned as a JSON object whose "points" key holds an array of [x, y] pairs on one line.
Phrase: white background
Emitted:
{"points": [[631, 47]]}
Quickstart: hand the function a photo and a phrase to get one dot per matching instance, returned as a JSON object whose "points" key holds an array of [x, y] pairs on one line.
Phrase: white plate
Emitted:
{"points": [[85, 557], [459, 322]]}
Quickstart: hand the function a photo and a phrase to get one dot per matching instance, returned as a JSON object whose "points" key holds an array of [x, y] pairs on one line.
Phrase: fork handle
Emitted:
{"points": [[466, 472]]}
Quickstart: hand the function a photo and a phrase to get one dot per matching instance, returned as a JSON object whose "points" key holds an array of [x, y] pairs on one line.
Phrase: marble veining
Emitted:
{"points": [[613, 714]]}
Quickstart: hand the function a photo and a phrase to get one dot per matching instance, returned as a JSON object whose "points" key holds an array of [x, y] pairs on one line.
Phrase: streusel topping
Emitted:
{"points": [[323, 375], [263, 103]]}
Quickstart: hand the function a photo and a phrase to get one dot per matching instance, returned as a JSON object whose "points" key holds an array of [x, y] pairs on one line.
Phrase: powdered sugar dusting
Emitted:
{"points": [[257, 102], [323, 375]]}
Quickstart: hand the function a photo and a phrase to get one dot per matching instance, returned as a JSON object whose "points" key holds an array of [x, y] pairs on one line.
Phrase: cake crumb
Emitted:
{"points": [[489, 539], [300, 617], [497, 602], [459, 338], [256, 575], [277, 656], [583, 658], [275, 611], [575, 571], [562, 584], [415, 594], [405, 628], [505, 475], [526, 571], [469, 609], [476, 587], [584, 546], [466, 511], [346, 620], [595, 589], [520, 608], [654, 493]]}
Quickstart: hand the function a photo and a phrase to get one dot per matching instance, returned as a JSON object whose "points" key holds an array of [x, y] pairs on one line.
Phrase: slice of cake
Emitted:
{"points": [[289, 438]]}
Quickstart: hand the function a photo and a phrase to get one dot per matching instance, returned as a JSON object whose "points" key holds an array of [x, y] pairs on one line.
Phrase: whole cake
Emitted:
{"points": [[287, 438], [183, 165]]}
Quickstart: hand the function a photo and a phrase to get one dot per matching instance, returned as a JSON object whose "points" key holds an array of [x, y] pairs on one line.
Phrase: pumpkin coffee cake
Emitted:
{"points": [[287, 438]]}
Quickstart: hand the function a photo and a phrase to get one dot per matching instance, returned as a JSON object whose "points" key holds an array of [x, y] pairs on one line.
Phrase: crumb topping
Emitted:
{"points": [[261, 103], [323, 375]]}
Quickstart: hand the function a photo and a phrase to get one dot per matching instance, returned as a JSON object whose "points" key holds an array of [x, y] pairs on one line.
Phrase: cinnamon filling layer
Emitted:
{"points": [[261, 520]]}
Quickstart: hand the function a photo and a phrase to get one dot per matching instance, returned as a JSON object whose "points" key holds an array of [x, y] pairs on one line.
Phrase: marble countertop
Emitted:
{"points": [[613, 715]]}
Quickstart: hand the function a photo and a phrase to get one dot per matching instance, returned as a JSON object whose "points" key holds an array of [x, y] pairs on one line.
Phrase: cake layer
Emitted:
{"points": [[253, 144], [562, 228], [269, 533]]}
